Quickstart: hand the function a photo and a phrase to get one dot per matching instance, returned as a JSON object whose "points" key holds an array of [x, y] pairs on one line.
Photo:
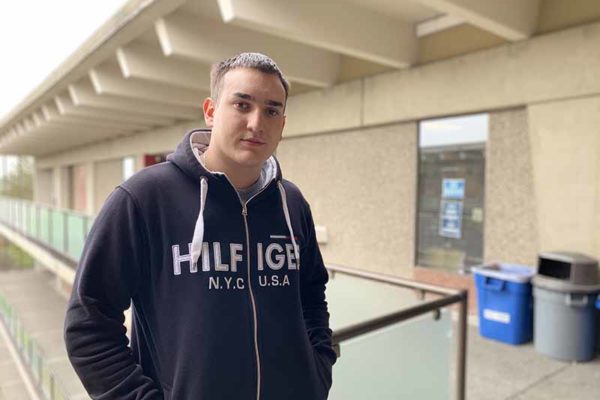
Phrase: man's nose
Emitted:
{"points": [[255, 121]]}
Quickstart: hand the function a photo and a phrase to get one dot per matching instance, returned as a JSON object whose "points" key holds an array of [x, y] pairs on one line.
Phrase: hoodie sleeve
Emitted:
{"points": [[107, 277], [316, 315]]}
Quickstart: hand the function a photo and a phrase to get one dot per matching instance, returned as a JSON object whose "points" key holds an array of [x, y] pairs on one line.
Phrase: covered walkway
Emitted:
{"points": [[495, 371]]}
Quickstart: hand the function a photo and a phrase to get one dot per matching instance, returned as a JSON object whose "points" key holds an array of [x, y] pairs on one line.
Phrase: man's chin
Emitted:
{"points": [[251, 162]]}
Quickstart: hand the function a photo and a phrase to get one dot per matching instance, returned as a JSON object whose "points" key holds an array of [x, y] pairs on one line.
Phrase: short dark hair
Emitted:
{"points": [[256, 61]]}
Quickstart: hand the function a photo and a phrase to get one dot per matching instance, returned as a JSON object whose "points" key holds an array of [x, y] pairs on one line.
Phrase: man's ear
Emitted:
{"points": [[209, 109]]}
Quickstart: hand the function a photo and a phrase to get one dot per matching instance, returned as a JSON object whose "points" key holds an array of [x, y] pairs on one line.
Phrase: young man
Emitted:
{"points": [[218, 256]]}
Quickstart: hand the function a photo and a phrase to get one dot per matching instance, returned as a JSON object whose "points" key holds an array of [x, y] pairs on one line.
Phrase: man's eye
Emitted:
{"points": [[241, 105], [273, 112]]}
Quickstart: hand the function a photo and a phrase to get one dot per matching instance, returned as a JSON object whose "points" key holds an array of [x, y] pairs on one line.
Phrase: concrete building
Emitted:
{"points": [[428, 135]]}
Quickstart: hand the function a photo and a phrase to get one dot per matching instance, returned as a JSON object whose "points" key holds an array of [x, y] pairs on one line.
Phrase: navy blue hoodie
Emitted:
{"points": [[248, 320]]}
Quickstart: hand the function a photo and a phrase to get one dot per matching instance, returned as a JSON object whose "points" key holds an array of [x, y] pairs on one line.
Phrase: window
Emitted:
{"points": [[451, 191], [128, 167]]}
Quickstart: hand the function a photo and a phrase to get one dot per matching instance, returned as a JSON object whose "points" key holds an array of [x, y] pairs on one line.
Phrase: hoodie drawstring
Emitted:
{"points": [[286, 211], [199, 228]]}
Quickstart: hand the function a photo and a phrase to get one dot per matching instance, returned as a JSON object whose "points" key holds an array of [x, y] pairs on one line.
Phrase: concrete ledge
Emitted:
{"points": [[60, 268], [549, 67]]}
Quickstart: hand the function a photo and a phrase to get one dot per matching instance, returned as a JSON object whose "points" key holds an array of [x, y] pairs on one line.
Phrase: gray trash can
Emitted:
{"points": [[565, 290], [598, 324]]}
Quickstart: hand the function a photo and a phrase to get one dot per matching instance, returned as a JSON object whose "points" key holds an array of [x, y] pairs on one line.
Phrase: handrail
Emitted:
{"points": [[391, 279], [380, 322], [451, 296], [50, 226], [51, 207]]}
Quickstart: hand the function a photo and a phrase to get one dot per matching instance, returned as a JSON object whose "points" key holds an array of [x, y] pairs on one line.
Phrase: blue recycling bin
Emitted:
{"points": [[505, 302], [598, 324]]}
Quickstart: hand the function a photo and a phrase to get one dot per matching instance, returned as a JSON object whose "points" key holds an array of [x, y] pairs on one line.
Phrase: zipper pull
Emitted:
{"points": [[244, 210]]}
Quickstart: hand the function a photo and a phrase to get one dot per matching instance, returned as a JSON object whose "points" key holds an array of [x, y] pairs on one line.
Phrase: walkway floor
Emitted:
{"points": [[496, 371], [41, 310], [11, 385]]}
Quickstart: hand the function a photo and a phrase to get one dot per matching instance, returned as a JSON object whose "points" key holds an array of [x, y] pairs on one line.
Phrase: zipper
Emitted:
{"points": [[258, 375], [252, 299]]}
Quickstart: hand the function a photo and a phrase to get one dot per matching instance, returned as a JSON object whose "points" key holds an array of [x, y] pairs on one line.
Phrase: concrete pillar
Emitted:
{"points": [[43, 186], [61, 187], [90, 181]]}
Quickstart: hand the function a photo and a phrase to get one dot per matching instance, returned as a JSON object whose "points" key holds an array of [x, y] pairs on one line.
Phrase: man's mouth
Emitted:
{"points": [[254, 141]]}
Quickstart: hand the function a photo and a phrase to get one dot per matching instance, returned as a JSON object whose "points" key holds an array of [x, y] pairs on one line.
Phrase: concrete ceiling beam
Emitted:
{"points": [[329, 24], [208, 41], [65, 105], [53, 115], [42, 126], [108, 80], [510, 19], [141, 61], [82, 93]]}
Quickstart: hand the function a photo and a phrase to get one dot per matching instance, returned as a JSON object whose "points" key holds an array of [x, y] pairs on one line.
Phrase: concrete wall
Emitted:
{"points": [[107, 175], [361, 186], [549, 67], [565, 141], [510, 230]]}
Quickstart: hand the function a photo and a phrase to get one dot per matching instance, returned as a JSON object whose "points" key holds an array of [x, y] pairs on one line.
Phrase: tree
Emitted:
{"points": [[19, 181]]}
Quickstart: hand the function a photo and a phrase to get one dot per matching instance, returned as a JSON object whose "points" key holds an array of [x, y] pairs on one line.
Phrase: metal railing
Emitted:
{"points": [[65, 231], [31, 354], [61, 230], [448, 297]]}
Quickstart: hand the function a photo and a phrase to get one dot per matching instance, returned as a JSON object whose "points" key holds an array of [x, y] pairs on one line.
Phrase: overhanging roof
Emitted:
{"points": [[147, 67]]}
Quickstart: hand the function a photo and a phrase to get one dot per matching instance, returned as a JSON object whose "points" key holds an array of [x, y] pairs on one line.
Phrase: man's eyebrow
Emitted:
{"points": [[245, 96], [274, 103]]}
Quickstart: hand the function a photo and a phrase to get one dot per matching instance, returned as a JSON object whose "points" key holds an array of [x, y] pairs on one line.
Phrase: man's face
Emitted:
{"points": [[247, 120]]}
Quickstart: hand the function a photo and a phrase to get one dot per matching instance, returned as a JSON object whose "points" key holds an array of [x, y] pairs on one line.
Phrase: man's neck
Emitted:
{"points": [[240, 178]]}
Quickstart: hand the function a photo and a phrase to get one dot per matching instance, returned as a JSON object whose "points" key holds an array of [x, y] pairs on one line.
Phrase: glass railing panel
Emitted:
{"points": [[24, 215], [76, 226], [58, 230], [33, 221], [44, 225], [19, 215], [407, 360], [411, 359], [353, 300], [63, 230]]}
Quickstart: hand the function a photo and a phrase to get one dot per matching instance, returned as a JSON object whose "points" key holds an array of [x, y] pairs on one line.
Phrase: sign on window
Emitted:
{"points": [[451, 218]]}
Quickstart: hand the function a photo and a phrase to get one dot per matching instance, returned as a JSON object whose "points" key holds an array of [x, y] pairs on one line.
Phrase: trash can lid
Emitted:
{"points": [[561, 285], [569, 257], [505, 271], [575, 269]]}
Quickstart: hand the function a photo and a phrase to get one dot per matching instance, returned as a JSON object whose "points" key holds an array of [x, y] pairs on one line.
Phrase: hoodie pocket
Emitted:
{"points": [[166, 392], [324, 372]]}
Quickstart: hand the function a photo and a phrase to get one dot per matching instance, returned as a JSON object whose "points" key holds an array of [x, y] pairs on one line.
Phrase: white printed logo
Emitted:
{"points": [[497, 316]]}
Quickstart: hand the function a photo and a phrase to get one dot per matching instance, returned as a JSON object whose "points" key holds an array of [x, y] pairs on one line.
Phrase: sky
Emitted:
{"points": [[36, 36]]}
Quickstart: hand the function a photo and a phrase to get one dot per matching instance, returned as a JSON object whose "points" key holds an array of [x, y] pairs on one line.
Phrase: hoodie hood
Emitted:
{"points": [[187, 158]]}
